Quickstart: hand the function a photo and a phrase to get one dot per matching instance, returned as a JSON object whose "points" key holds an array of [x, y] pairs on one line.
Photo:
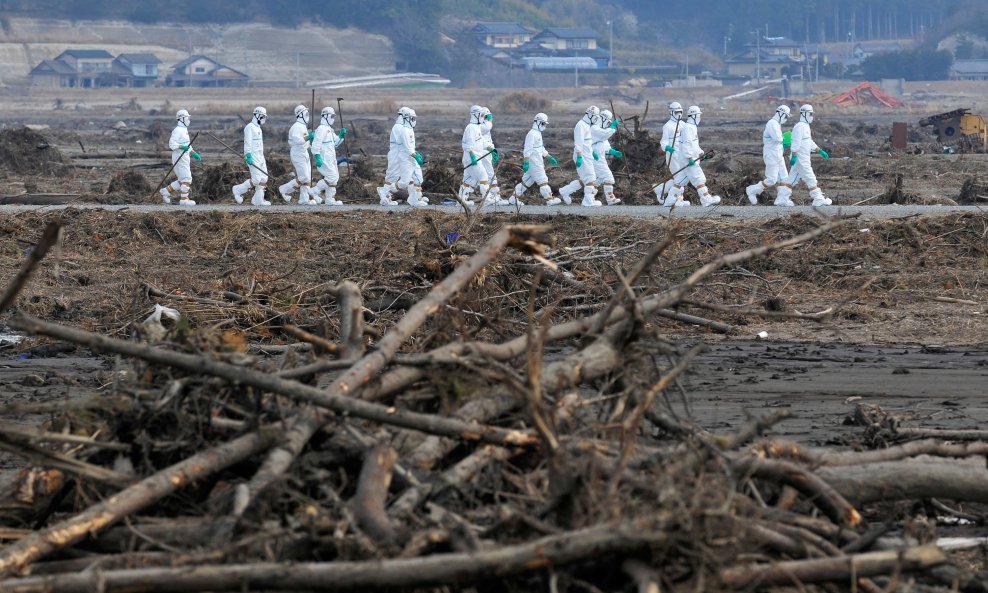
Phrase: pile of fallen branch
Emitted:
{"points": [[562, 457]]}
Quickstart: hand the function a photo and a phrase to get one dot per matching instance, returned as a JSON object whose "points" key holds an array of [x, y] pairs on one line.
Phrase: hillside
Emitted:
{"points": [[268, 54]]}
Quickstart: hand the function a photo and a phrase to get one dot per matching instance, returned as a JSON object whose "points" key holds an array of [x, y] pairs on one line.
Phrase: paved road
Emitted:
{"points": [[693, 212]]}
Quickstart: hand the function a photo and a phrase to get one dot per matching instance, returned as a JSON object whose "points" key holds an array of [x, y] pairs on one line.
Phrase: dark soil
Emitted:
{"points": [[26, 152], [130, 183]]}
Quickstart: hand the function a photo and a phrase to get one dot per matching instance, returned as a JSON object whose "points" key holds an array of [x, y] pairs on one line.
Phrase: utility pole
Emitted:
{"points": [[758, 57], [610, 43]]}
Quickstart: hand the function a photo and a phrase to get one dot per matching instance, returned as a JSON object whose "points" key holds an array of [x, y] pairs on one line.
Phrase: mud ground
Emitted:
{"points": [[926, 287]]}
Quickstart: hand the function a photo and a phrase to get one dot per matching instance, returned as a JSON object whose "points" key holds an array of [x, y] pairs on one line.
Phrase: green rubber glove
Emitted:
{"points": [[196, 156], [824, 154], [473, 159], [185, 147], [553, 161], [342, 132], [418, 158], [792, 160], [691, 163], [250, 159], [595, 156], [669, 149], [524, 166], [786, 139], [310, 136], [579, 160], [489, 117], [495, 156], [615, 153], [615, 123], [318, 160]]}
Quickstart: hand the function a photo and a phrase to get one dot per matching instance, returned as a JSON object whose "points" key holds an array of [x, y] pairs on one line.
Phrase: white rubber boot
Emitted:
{"points": [[566, 192], [239, 190], [708, 199], [286, 190], [384, 193], [819, 199], [258, 199], [588, 197], [753, 191], [783, 197]]}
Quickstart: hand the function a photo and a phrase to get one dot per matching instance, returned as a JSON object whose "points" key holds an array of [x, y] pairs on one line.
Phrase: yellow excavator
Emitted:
{"points": [[959, 130]]}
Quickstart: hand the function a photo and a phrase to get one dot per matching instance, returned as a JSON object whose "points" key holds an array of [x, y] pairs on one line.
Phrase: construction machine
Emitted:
{"points": [[959, 130]]}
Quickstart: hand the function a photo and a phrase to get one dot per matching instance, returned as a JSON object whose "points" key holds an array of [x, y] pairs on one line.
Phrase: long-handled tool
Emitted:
{"points": [[482, 157], [346, 145], [161, 183], [228, 147], [706, 157]]}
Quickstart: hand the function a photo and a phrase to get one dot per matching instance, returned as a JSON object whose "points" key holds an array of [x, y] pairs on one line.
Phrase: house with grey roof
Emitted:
{"points": [[769, 57], [559, 48], [502, 35], [136, 70], [563, 38], [85, 68], [969, 70], [203, 71]]}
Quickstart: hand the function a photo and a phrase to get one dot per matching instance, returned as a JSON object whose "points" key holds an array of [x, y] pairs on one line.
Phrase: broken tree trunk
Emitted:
{"points": [[827, 570], [265, 381], [438, 569], [17, 556], [372, 492]]}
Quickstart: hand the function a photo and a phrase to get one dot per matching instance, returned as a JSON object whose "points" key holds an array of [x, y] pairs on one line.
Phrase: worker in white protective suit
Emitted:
{"points": [[325, 141], [494, 193], [404, 163], [801, 169], [533, 165], [298, 143], [775, 161], [685, 162], [181, 147], [475, 148], [254, 157], [601, 134], [584, 157], [670, 138]]}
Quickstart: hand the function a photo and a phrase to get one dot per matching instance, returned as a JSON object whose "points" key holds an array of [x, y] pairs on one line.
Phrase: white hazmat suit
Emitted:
{"points": [[685, 161], [298, 143], [775, 162], [404, 163], [325, 141], [584, 156], [802, 169], [254, 156], [494, 193], [670, 138], [533, 166], [601, 145], [182, 155], [474, 147]]}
